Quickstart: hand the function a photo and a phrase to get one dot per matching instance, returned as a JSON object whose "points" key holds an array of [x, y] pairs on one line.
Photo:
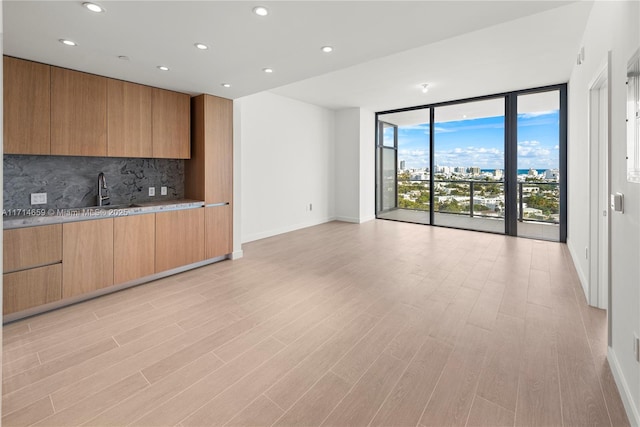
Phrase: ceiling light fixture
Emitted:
{"points": [[260, 11], [225, 85], [163, 68], [201, 46], [93, 7], [267, 70], [327, 49], [425, 87], [68, 42]]}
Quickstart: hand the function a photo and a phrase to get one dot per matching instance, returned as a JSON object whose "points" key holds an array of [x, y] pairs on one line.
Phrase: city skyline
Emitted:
{"points": [[480, 142]]}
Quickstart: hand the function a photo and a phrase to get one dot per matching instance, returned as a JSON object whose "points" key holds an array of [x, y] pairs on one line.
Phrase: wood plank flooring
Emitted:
{"points": [[380, 324]]}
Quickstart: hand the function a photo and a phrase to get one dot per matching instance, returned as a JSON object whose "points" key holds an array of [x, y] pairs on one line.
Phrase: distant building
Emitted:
{"points": [[402, 165], [552, 174], [532, 172], [498, 174], [460, 169], [474, 170]]}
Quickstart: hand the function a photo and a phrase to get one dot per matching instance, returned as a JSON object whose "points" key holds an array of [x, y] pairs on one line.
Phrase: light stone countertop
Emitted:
{"points": [[43, 216]]}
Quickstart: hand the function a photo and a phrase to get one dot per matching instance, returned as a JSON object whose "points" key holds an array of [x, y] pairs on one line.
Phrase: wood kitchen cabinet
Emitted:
{"points": [[179, 238], [134, 247], [171, 124], [209, 172], [31, 247], [87, 253], [78, 113], [128, 119], [30, 288], [218, 232], [27, 113], [32, 264]]}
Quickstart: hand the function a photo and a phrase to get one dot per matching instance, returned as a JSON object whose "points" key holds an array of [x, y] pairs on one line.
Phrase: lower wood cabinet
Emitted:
{"points": [[179, 238], [218, 224], [87, 254], [30, 288], [32, 247], [134, 247]]}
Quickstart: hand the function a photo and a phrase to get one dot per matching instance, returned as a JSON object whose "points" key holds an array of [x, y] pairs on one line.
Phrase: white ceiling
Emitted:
{"points": [[383, 49]]}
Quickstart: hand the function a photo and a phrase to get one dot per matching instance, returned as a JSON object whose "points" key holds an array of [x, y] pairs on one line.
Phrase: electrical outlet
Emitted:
{"points": [[163, 191], [38, 198], [152, 191]]}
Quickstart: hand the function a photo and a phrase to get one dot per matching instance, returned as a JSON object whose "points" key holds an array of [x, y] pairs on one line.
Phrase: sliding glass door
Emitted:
{"points": [[494, 164], [469, 165], [405, 181]]}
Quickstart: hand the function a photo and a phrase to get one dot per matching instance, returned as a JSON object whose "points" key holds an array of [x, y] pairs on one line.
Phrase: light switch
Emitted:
{"points": [[163, 191], [38, 198]]}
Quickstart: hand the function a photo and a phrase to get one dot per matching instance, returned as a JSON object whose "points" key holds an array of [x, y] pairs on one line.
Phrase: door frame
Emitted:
{"points": [[599, 290]]}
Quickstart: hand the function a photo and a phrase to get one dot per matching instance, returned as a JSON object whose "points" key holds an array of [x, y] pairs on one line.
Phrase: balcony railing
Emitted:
{"points": [[471, 194]]}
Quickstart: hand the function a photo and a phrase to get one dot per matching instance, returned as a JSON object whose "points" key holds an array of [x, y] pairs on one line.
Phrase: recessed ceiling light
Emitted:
{"points": [[327, 49], [201, 46], [226, 85], [163, 68], [267, 70], [260, 11], [68, 42], [93, 7], [425, 87]]}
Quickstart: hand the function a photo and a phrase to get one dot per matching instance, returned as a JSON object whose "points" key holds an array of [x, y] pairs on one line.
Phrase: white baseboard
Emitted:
{"points": [[354, 220], [581, 275], [623, 388], [237, 254], [282, 230]]}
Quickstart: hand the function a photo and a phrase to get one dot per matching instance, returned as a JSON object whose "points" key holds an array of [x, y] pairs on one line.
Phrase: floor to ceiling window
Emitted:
{"points": [[495, 163]]}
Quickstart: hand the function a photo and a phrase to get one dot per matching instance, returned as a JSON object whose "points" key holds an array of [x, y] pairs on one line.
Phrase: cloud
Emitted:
{"points": [[532, 149], [482, 157], [556, 147]]}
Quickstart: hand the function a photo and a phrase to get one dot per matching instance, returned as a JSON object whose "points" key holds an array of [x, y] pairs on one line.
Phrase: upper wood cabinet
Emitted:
{"points": [[171, 124], [128, 119], [32, 247], [87, 253], [134, 247], [26, 107], [78, 113], [209, 173]]}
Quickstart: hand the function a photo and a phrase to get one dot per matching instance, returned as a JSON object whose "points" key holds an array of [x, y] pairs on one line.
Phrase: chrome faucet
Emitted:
{"points": [[103, 191]]}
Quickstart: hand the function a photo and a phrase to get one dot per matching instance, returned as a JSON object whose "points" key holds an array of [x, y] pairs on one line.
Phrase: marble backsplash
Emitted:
{"points": [[73, 181]]}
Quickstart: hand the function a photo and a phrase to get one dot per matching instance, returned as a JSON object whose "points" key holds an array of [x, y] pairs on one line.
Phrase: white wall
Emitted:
{"points": [[347, 163], [612, 26], [355, 165], [286, 163], [367, 165]]}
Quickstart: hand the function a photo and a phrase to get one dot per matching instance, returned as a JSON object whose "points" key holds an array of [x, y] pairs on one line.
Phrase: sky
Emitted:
{"points": [[480, 142]]}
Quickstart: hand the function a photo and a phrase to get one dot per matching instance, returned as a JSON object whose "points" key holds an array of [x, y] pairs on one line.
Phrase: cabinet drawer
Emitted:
{"points": [[30, 288], [32, 247], [179, 238]]}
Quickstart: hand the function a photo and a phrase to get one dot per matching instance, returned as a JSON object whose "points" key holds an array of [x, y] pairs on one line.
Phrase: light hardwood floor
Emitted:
{"points": [[381, 324]]}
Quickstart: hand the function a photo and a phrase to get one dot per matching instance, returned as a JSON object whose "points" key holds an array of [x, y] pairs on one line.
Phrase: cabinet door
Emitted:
{"points": [[78, 113], [87, 256], [218, 224], [30, 288], [134, 247], [209, 173], [179, 238], [27, 113], [32, 247], [171, 125], [129, 119]]}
